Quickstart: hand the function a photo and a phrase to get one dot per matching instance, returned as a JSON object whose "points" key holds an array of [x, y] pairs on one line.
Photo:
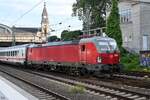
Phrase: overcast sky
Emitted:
{"points": [[58, 11]]}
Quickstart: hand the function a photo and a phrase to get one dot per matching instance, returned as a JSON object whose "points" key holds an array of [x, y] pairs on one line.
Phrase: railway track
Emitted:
{"points": [[137, 73], [138, 81], [50, 84], [132, 77], [112, 93], [43, 93], [121, 94]]}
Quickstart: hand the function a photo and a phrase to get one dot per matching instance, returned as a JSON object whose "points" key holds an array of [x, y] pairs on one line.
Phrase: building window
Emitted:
{"points": [[125, 16], [126, 39], [145, 42], [130, 38]]}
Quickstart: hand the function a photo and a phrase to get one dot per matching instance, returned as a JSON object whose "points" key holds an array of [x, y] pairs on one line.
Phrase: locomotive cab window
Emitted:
{"points": [[106, 45], [83, 48]]}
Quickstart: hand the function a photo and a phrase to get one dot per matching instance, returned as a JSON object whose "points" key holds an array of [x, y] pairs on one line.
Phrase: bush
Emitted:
{"points": [[131, 62]]}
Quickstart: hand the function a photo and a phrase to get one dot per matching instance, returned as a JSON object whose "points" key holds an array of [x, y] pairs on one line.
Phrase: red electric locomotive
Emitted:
{"points": [[88, 55]]}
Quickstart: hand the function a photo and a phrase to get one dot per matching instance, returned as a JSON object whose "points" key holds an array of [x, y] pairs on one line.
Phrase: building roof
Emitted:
{"points": [[6, 28], [25, 30]]}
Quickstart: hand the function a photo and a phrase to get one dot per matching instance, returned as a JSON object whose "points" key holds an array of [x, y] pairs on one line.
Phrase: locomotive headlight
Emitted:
{"points": [[99, 59]]}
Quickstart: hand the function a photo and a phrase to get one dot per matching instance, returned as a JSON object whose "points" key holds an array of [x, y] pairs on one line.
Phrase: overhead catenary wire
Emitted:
{"points": [[62, 22], [20, 17], [52, 25], [67, 27]]}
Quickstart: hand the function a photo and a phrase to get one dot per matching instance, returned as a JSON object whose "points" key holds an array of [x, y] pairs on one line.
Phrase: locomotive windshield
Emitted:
{"points": [[106, 46]]}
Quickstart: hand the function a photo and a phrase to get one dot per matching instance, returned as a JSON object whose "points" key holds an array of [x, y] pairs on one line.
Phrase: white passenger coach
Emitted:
{"points": [[14, 54]]}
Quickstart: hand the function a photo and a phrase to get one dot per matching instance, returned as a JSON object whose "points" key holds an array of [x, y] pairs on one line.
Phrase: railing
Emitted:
{"points": [[19, 39]]}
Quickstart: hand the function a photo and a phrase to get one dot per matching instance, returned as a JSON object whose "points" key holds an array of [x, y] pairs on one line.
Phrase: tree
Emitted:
{"points": [[53, 38], [70, 35], [113, 29], [92, 12]]}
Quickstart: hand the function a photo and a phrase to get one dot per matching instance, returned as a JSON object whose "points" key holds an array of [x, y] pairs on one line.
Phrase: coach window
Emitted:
{"points": [[16, 53], [22, 53], [83, 48], [11, 53]]}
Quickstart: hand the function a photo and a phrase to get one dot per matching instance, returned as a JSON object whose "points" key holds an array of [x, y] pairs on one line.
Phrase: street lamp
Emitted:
{"points": [[13, 36]]}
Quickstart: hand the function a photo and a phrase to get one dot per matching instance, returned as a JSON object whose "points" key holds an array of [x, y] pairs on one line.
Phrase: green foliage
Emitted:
{"points": [[53, 38], [131, 62], [97, 12], [77, 89], [113, 24], [70, 35]]}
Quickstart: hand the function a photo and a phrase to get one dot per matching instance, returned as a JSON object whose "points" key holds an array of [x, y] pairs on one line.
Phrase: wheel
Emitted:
{"points": [[84, 71], [120, 68]]}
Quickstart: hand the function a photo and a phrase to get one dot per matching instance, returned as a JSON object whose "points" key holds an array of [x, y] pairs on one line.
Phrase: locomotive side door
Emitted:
{"points": [[83, 53]]}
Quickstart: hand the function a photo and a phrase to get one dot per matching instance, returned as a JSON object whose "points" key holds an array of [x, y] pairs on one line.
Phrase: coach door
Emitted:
{"points": [[83, 53]]}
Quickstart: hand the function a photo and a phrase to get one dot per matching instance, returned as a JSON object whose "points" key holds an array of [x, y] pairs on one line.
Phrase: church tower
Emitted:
{"points": [[44, 22]]}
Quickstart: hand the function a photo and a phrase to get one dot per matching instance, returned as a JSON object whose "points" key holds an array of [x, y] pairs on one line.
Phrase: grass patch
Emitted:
{"points": [[77, 89]]}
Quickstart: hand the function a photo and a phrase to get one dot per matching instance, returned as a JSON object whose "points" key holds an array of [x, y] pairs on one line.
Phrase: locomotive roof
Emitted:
{"points": [[55, 43], [95, 38]]}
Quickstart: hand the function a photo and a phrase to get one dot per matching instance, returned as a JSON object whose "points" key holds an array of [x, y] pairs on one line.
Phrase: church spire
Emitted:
{"points": [[45, 21], [44, 15]]}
